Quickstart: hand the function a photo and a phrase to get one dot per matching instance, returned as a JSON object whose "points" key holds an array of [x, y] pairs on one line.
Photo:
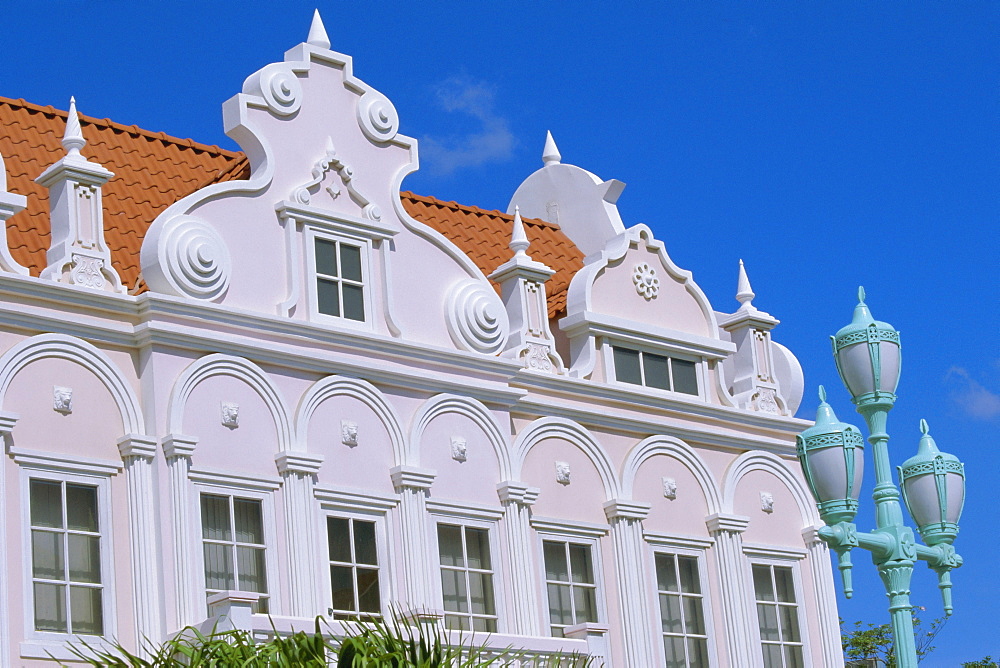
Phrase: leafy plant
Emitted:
{"points": [[986, 662], [866, 641]]}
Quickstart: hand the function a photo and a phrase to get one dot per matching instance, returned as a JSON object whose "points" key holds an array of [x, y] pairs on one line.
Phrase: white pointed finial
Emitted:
{"points": [[317, 32], [744, 293], [73, 139], [519, 239], [551, 156]]}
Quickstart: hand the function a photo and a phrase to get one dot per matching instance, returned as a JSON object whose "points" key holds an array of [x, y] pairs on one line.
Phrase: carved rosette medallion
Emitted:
{"points": [[647, 284], [477, 319]]}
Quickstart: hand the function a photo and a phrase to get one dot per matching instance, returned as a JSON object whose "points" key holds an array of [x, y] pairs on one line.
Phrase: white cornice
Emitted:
{"points": [[659, 338]]}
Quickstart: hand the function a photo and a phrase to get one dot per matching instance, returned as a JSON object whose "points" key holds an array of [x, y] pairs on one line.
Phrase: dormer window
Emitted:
{"points": [[340, 290], [638, 367]]}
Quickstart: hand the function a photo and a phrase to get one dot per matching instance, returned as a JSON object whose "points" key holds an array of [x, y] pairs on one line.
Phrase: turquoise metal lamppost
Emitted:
{"points": [[832, 457]]}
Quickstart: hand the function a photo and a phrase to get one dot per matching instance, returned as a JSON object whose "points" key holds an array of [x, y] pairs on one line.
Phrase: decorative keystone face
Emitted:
{"points": [[562, 473], [767, 502], [646, 282], [349, 433], [459, 449], [670, 488], [62, 400], [230, 414]]}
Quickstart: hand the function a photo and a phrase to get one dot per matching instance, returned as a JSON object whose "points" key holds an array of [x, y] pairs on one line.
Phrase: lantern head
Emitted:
{"points": [[867, 356], [933, 484]]}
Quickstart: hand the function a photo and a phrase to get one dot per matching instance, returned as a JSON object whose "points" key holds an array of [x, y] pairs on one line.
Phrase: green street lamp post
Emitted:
{"points": [[832, 457]]}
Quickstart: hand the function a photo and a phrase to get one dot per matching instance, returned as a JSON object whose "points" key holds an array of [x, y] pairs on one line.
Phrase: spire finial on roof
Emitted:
{"points": [[550, 155], [519, 239], [73, 139], [317, 32], [744, 293]]}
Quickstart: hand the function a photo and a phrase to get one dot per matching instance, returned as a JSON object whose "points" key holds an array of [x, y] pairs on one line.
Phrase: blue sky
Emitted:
{"points": [[827, 144]]}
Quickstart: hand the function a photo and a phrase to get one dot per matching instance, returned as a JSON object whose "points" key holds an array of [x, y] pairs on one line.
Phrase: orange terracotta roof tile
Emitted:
{"points": [[153, 170]]}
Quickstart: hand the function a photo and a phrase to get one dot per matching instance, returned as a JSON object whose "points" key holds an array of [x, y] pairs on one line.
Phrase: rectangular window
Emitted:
{"points": [[467, 578], [682, 612], [354, 581], [569, 581], [339, 282], [66, 558], [663, 373], [777, 616], [232, 531]]}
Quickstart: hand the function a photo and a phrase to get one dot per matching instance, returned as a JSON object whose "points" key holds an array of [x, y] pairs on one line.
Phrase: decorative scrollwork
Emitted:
{"points": [[281, 89], [476, 317], [378, 117], [195, 258]]}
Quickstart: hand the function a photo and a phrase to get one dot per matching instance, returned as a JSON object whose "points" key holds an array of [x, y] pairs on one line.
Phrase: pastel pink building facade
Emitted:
{"points": [[322, 406]]}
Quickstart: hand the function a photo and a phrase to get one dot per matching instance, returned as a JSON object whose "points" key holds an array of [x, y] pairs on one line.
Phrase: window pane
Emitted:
{"points": [[456, 623], [670, 613], [666, 575], [326, 257], [793, 656], [685, 376], [354, 302], [789, 623], [627, 366], [484, 624], [249, 524], [579, 559], [86, 615], [252, 574], [762, 583], [450, 542], [783, 582], [350, 262], [364, 543], [369, 599], [560, 610], [673, 650], [84, 558], [586, 605], [689, 575], [219, 572], [697, 653], [772, 656], [454, 591], [694, 618], [481, 593], [47, 555], [328, 297], [338, 539], [657, 371], [477, 546], [555, 561], [215, 517], [46, 504], [342, 587], [50, 607], [767, 618], [81, 508]]}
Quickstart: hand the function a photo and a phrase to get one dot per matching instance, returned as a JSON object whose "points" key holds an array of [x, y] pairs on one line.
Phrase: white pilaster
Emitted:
{"points": [[626, 532], [137, 454], [412, 485], [298, 471], [178, 450], [7, 422], [517, 499], [821, 572], [742, 637], [10, 204], [78, 253]]}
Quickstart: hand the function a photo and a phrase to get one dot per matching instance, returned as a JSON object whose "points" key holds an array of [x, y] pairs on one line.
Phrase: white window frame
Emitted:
{"points": [[580, 533], [611, 370], [221, 484], [367, 507], [660, 543], [313, 233], [94, 473], [766, 555], [473, 516]]}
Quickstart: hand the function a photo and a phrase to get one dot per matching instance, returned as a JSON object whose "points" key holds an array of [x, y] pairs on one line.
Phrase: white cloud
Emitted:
{"points": [[492, 142], [972, 397]]}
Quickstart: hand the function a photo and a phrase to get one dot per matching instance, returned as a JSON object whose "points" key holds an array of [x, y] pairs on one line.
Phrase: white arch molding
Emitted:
{"points": [[756, 460], [442, 404], [555, 427], [682, 452]]}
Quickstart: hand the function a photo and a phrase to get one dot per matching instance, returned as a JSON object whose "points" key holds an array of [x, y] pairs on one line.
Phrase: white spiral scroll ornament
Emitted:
{"points": [[281, 89], [377, 117], [477, 319], [194, 258]]}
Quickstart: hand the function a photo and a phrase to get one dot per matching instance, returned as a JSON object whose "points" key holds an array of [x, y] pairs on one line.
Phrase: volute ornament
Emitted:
{"points": [[477, 319]]}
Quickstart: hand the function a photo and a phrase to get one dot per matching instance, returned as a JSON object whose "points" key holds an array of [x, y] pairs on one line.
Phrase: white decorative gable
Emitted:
{"points": [[318, 232]]}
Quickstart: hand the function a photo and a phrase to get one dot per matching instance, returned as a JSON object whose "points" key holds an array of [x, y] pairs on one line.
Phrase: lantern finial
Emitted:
{"points": [[861, 294], [822, 394], [924, 429]]}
